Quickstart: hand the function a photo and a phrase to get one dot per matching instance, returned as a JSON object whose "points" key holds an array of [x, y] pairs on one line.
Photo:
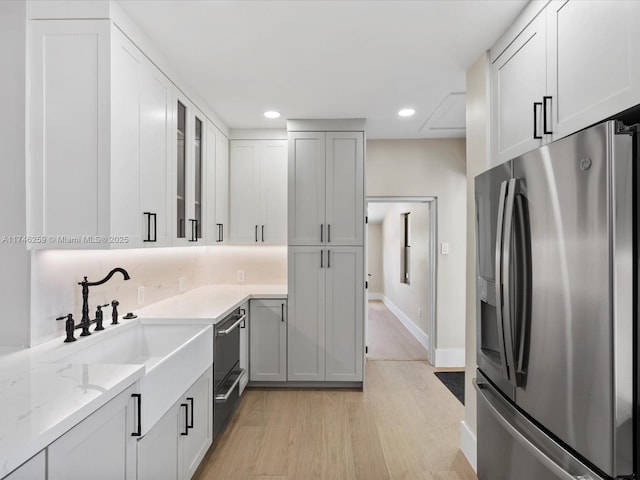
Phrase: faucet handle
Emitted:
{"points": [[114, 312], [69, 327], [99, 314]]}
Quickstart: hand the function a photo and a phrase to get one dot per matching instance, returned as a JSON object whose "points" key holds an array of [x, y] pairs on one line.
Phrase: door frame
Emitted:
{"points": [[433, 259]]}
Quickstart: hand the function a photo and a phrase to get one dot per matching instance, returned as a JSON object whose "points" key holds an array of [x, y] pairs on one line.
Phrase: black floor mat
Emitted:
{"points": [[454, 381]]}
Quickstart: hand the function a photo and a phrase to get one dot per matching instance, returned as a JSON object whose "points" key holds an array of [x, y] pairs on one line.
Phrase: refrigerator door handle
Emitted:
{"points": [[506, 280], [484, 391], [499, 289], [524, 251]]}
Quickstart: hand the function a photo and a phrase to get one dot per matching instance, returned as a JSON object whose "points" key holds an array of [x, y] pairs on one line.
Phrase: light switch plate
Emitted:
{"points": [[240, 275], [140, 295], [182, 284], [444, 248]]}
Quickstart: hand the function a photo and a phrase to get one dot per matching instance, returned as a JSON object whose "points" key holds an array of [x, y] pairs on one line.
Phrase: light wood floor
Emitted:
{"points": [[405, 425], [387, 337]]}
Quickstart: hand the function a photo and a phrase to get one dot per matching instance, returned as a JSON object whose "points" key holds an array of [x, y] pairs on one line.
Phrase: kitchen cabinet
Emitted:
{"points": [[33, 469], [268, 340], [101, 110], [326, 314], [217, 186], [244, 346], [99, 447], [326, 188], [177, 443], [190, 174], [258, 191], [563, 72]]}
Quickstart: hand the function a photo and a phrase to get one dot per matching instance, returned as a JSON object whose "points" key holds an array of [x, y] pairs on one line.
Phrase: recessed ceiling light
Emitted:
{"points": [[272, 114], [406, 112]]}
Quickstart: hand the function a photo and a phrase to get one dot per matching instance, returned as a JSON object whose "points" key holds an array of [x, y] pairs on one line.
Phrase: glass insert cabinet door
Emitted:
{"points": [[190, 191]]}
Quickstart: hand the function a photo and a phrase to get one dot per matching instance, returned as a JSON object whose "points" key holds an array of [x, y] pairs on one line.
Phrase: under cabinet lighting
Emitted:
{"points": [[272, 114]]}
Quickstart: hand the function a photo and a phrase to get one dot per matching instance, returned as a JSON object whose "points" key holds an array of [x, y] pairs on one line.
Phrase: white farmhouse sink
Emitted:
{"points": [[174, 356]]}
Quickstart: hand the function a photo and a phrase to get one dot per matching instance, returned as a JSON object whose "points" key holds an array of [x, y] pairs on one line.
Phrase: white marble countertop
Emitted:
{"points": [[210, 303], [40, 401]]}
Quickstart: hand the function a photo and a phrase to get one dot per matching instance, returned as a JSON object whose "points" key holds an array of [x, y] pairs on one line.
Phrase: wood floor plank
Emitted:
{"points": [[388, 338]]}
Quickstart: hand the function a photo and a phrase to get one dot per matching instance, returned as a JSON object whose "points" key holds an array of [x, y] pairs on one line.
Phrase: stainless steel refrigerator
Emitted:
{"points": [[557, 299]]}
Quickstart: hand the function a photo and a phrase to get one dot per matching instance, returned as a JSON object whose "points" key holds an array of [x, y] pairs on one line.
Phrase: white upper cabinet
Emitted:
{"points": [[99, 143], [594, 61], [217, 186], [574, 64], [518, 85], [258, 191], [326, 188], [190, 172]]}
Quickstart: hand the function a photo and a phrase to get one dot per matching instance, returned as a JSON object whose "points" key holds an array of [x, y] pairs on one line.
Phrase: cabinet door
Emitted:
{"points": [[306, 188], [222, 189], [518, 80], [199, 401], [156, 109], [344, 314], [99, 447], [273, 192], [306, 320], [69, 61], [268, 341], [244, 192], [126, 74], [594, 62], [345, 188], [33, 469], [158, 449], [244, 347], [196, 187]]}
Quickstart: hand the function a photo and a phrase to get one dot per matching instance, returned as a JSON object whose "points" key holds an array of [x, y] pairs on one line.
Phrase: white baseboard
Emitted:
{"points": [[450, 357], [469, 445], [422, 337], [375, 296]]}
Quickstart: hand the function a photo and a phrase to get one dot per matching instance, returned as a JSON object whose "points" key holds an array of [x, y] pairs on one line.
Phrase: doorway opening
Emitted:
{"points": [[401, 240]]}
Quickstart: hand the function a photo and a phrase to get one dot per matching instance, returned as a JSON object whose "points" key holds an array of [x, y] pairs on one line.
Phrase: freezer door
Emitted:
{"points": [[512, 447], [489, 200], [576, 341]]}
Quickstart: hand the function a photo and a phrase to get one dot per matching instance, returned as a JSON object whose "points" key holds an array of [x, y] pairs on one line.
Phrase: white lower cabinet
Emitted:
{"points": [[244, 347], [33, 469], [176, 445], [99, 447], [268, 341]]}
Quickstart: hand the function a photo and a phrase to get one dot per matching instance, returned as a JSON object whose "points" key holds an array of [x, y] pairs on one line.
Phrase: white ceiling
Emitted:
{"points": [[328, 58]]}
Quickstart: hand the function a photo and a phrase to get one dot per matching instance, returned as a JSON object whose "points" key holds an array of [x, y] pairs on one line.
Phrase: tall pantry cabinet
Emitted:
{"points": [[326, 247]]}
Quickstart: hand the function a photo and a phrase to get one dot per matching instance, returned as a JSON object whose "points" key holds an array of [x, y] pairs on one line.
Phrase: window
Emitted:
{"points": [[405, 252]]}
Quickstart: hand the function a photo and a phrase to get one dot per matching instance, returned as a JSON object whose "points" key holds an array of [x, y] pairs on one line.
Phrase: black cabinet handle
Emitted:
{"points": [[262, 233], [535, 120], [220, 232], [186, 419], [282, 311], [243, 312], [329, 233], [138, 397], [328, 258], [321, 232], [151, 216], [194, 230], [321, 258], [547, 102], [190, 400], [256, 232]]}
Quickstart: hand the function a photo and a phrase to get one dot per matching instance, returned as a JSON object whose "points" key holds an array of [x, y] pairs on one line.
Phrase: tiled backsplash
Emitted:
{"points": [[55, 276]]}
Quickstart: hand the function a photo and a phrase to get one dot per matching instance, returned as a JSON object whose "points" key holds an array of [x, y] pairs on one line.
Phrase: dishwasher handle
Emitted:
{"points": [[227, 331]]}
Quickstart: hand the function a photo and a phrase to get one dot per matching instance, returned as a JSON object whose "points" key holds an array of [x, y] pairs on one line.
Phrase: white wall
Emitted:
{"points": [[435, 168], [415, 296], [14, 257], [374, 258], [55, 277], [477, 161]]}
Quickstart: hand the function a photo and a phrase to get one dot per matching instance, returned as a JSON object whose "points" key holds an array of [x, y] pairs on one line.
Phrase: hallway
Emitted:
{"points": [[387, 337]]}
